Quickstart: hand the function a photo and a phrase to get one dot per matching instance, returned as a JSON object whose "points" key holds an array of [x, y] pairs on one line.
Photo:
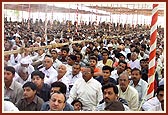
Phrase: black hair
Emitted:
{"points": [[137, 50], [95, 49], [107, 68], [38, 73], [160, 88], [63, 87], [31, 85], [81, 56], [93, 58], [143, 46], [26, 37], [73, 57], [142, 60], [128, 55], [76, 63], [47, 56], [75, 101], [121, 61], [91, 43], [110, 85], [136, 69], [65, 48], [10, 68], [105, 51], [89, 48]]}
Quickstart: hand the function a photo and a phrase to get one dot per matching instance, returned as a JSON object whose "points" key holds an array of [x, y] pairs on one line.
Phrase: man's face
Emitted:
{"points": [[106, 74], [23, 75], [78, 58], [47, 62], [76, 69], [142, 63], [57, 102], [64, 53], [54, 54], [160, 96], [109, 95], [105, 56], [62, 70], [121, 67], [37, 80], [92, 62], [86, 74], [135, 75], [77, 106], [123, 82], [122, 58], [8, 76], [28, 93], [70, 61]]}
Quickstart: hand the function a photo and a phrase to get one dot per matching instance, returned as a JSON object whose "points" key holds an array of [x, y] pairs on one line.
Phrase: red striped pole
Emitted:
{"points": [[152, 55]]}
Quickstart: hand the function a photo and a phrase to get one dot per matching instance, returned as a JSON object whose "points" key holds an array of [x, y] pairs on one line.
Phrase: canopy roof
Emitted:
{"points": [[99, 9]]}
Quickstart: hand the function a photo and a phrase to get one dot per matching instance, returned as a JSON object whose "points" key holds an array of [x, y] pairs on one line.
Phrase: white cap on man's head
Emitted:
{"points": [[25, 61], [110, 45]]}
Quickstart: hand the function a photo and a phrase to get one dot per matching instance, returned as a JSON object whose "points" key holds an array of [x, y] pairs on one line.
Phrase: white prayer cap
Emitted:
{"points": [[25, 61], [110, 45], [17, 35]]}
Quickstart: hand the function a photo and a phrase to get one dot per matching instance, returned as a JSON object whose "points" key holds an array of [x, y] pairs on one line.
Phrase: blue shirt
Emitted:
{"points": [[44, 93], [45, 107], [101, 80]]}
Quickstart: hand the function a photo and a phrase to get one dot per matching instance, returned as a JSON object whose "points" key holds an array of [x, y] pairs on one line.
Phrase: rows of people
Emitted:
{"points": [[106, 74]]}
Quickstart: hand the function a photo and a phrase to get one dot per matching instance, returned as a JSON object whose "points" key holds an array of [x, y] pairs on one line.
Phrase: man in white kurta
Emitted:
{"points": [[156, 103], [127, 92], [49, 71], [87, 89]]}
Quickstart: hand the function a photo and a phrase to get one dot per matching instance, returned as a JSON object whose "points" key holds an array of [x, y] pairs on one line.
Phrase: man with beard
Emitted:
{"points": [[110, 95]]}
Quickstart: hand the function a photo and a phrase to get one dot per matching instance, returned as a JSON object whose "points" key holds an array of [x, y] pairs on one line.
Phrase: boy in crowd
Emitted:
{"points": [[43, 89]]}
